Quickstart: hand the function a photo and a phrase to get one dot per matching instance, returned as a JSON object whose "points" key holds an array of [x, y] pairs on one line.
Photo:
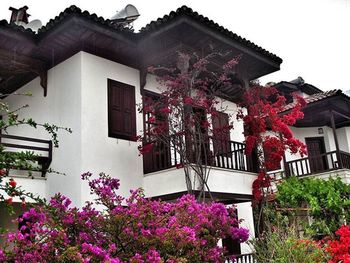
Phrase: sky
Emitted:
{"points": [[311, 36]]}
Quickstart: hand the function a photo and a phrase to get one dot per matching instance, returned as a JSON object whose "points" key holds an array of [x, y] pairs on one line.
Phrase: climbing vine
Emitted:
{"points": [[328, 201]]}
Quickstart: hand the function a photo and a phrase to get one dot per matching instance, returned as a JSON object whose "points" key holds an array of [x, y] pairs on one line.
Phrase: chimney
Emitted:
{"points": [[19, 16]]}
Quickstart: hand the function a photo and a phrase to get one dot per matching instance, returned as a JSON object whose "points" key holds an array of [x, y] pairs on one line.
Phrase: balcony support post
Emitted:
{"points": [[340, 164], [285, 164]]}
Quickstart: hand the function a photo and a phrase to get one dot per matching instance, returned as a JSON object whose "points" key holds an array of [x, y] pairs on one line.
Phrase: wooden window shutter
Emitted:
{"points": [[221, 133], [121, 110]]}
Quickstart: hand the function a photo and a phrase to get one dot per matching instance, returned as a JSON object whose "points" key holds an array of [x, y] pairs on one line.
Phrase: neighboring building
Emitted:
{"points": [[325, 129], [79, 66]]}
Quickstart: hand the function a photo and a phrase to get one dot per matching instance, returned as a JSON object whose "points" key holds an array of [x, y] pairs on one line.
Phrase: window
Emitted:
{"points": [[121, 110], [221, 133]]}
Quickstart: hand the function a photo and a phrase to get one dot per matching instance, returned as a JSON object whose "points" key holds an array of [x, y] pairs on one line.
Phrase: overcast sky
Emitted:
{"points": [[311, 36]]}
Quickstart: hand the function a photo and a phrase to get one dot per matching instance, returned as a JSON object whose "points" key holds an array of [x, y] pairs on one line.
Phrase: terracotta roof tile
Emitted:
{"points": [[316, 97]]}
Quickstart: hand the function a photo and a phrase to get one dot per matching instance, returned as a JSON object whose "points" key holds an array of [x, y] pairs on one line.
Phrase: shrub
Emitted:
{"points": [[133, 230], [280, 244]]}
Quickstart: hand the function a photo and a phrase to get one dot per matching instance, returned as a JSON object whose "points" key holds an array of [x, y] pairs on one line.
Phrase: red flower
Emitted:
{"points": [[146, 148], [179, 165], [205, 124], [152, 120], [9, 201], [165, 110], [339, 249], [188, 100], [12, 183]]}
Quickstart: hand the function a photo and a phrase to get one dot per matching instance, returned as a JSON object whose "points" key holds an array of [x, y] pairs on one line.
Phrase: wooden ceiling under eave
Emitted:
{"points": [[17, 66]]}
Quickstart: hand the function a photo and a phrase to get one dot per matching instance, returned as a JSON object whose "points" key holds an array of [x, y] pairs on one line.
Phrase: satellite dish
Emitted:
{"points": [[34, 25], [127, 15]]}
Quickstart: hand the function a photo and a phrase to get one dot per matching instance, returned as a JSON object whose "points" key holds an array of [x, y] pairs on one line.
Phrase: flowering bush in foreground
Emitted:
{"points": [[128, 230], [340, 249]]}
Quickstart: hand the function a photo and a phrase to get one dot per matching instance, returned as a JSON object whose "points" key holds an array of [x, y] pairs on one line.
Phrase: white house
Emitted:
{"points": [[88, 73], [324, 129]]}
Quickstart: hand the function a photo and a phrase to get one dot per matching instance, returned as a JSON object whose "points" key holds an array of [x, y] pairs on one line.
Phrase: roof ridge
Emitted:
{"points": [[75, 10], [13, 25]]}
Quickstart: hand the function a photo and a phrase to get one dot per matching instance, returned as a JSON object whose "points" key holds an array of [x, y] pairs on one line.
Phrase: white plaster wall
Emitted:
{"points": [[231, 181], [37, 186], [164, 182], [236, 133], [347, 131], [100, 153], [61, 107], [220, 180], [245, 212], [343, 135]]}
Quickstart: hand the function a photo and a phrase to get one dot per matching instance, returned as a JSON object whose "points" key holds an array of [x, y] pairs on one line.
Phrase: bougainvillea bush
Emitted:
{"points": [[267, 130], [135, 230]]}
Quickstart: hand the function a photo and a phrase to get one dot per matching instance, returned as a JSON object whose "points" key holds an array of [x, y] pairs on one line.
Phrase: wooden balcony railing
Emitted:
{"points": [[317, 164], [243, 258], [215, 152], [41, 148]]}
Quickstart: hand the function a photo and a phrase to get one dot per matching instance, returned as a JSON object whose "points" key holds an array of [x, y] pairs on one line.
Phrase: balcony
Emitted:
{"points": [[326, 162], [41, 148], [230, 172], [218, 153]]}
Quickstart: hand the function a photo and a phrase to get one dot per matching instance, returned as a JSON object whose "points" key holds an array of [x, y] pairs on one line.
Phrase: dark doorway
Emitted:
{"points": [[317, 154], [232, 247]]}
